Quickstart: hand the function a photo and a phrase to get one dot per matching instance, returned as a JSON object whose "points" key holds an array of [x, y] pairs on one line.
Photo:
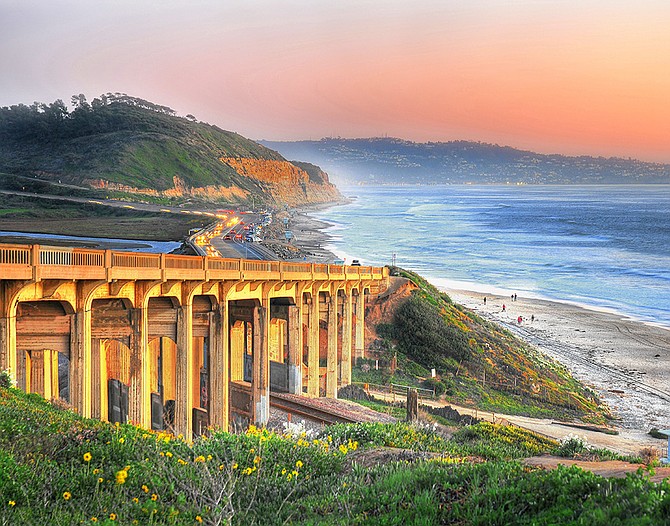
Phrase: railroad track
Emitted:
{"points": [[306, 410], [574, 354]]}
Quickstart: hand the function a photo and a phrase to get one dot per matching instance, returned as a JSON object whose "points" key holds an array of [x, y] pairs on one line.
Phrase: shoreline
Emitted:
{"points": [[625, 359]]}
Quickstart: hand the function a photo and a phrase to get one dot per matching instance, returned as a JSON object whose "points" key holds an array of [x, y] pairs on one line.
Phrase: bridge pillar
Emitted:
{"points": [[331, 365], [139, 403], [7, 330], [359, 344], [218, 330], [80, 362], [295, 349], [313, 345], [347, 325], [184, 399], [261, 364]]}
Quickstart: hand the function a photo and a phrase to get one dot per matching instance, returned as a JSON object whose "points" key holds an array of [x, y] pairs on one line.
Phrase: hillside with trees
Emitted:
{"points": [[119, 143]]}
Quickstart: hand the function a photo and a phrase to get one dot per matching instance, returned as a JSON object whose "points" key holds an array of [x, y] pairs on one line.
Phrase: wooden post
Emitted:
{"points": [[412, 405]]}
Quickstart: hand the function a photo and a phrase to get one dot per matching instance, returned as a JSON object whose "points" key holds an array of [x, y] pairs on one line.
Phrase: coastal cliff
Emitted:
{"points": [[286, 182]]}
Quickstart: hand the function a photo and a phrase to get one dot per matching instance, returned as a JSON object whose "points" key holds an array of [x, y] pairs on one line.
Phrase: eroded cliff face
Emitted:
{"points": [[180, 189], [286, 183], [381, 309]]}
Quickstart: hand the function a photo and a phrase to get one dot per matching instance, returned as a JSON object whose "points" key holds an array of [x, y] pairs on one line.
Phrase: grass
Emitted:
{"points": [[33, 214], [478, 363], [57, 468]]}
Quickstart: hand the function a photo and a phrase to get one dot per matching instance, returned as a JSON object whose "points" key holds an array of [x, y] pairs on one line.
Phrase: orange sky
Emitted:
{"points": [[564, 76]]}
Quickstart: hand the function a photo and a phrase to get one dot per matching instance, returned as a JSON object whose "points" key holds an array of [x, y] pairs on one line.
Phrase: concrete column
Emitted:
{"points": [[359, 344], [313, 347], [218, 357], [347, 325], [183, 417], [7, 331], [331, 371], [260, 389], [295, 349], [139, 396], [80, 362]]}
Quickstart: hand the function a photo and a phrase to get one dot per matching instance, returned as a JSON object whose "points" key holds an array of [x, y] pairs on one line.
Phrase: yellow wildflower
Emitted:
{"points": [[295, 473], [168, 454], [96, 471], [136, 500], [235, 466], [122, 440], [198, 518], [257, 459], [87, 457], [283, 471], [154, 497], [67, 495], [100, 480], [12, 503], [94, 519], [145, 489], [199, 458], [209, 457], [182, 462], [298, 464], [121, 476], [112, 516]]}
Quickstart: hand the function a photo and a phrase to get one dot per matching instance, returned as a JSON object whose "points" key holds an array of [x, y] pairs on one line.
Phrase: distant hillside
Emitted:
{"points": [[119, 143], [395, 161]]}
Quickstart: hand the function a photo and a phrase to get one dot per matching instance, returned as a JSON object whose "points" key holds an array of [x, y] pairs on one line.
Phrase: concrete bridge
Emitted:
{"points": [[177, 342]]}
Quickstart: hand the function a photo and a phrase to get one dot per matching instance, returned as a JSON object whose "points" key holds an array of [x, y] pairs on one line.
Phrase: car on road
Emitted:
{"points": [[355, 263]]}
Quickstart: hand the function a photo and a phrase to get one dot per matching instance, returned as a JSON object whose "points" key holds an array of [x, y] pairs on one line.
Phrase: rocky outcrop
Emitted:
{"points": [[381, 309], [180, 189], [285, 182]]}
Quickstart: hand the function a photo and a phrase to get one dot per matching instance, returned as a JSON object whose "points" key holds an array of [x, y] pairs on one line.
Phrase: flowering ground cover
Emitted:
{"points": [[57, 468]]}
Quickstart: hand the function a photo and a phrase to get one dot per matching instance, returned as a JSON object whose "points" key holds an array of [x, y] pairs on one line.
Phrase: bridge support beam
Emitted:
{"points": [[359, 344], [313, 345], [347, 325], [261, 364], [331, 364], [139, 406], [218, 331], [184, 399], [295, 349]]}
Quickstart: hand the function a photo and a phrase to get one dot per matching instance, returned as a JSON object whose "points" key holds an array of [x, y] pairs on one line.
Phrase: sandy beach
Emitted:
{"points": [[626, 361]]}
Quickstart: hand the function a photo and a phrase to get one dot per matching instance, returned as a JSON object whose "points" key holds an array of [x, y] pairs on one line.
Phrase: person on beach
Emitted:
{"points": [[519, 320], [503, 307], [532, 318], [484, 300]]}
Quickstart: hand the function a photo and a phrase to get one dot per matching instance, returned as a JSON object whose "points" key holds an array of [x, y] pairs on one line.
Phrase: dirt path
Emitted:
{"points": [[627, 442], [609, 468]]}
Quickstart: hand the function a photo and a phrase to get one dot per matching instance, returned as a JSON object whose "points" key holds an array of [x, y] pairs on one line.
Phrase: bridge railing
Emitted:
{"points": [[45, 262]]}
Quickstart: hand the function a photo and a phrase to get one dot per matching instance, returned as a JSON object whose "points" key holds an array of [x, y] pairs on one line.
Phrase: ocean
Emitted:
{"points": [[602, 247]]}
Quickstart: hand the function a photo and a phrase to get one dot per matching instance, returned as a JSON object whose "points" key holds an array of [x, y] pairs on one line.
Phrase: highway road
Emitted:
{"points": [[213, 234]]}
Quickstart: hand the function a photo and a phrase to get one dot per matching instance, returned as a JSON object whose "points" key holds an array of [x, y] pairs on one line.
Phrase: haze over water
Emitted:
{"points": [[605, 247]]}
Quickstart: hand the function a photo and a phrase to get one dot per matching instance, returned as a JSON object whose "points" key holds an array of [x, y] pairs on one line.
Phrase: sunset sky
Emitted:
{"points": [[572, 76]]}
